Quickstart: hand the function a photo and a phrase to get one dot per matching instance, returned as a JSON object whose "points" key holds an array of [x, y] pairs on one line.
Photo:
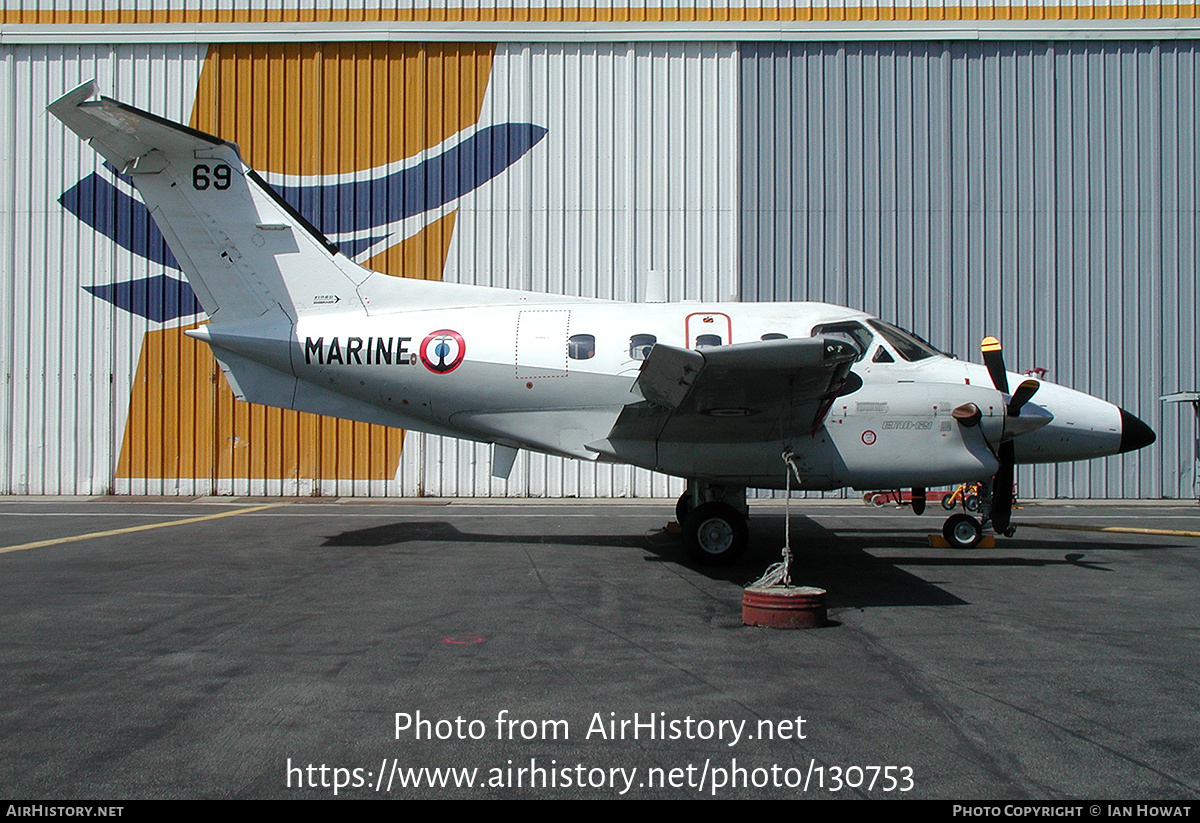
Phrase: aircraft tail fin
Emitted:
{"points": [[246, 252]]}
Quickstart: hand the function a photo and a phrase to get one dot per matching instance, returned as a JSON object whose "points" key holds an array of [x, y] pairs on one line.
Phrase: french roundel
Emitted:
{"points": [[443, 351]]}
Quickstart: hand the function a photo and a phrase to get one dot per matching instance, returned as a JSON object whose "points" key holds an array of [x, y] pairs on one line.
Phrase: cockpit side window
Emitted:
{"points": [[906, 344], [856, 331]]}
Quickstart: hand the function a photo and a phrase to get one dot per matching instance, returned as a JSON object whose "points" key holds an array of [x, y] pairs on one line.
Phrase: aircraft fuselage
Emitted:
{"points": [[554, 377]]}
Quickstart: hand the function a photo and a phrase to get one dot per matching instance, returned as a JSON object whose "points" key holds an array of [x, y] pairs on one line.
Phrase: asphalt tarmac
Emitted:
{"points": [[245, 648]]}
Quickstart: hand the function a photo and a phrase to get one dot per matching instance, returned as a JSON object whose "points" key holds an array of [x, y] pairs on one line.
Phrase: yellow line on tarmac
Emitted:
{"points": [[54, 541], [1118, 529]]}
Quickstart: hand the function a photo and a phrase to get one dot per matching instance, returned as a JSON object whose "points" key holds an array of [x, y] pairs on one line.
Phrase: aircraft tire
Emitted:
{"points": [[715, 534], [683, 507], [962, 531]]}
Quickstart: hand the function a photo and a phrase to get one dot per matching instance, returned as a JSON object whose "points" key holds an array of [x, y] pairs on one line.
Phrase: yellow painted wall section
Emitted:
{"points": [[623, 14], [326, 108], [173, 400], [300, 109]]}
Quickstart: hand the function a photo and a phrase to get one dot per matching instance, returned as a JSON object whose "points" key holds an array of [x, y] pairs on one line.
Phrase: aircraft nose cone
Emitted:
{"points": [[1134, 433]]}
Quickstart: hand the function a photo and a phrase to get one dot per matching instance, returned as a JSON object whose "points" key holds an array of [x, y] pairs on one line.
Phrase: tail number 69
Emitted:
{"points": [[218, 177]]}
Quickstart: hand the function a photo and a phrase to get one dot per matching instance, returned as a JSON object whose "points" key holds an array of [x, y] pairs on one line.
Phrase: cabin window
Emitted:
{"points": [[882, 356], [640, 345], [706, 341], [581, 346], [773, 335]]}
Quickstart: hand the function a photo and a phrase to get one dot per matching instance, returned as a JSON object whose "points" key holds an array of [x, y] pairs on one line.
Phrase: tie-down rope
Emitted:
{"points": [[780, 574]]}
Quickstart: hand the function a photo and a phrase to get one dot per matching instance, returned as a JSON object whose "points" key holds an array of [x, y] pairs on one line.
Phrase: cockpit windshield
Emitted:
{"points": [[908, 345]]}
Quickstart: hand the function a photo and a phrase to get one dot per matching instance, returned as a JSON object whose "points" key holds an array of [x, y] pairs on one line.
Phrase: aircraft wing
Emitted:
{"points": [[746, 392]]}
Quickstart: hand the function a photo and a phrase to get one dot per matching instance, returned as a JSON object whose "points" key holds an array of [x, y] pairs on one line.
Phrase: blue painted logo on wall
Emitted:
{"points": [[356, 207]]}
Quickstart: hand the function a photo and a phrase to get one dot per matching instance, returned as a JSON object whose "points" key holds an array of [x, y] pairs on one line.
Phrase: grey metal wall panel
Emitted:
{"points": [[1044, 192]]}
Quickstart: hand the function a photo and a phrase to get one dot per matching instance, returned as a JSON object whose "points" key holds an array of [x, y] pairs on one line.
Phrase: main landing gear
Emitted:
{"points": [[714, 522]]}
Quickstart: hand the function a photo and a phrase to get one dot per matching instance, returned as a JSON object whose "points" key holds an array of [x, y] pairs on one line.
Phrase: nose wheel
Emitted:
{"points": [[962, 531]]}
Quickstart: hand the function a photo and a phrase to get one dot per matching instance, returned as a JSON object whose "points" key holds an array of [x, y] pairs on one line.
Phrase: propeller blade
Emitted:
{"points": [[1021, 396], [1002, 489], [1002, 483], [993, 358]]}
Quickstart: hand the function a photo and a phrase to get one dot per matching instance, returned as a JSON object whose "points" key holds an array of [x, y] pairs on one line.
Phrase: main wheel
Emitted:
{"points": [[682, 507], [962, 531], [715, 533]]}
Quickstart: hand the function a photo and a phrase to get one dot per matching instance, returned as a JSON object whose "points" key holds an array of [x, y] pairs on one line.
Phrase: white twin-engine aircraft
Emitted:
{"points": [[728, 396]]}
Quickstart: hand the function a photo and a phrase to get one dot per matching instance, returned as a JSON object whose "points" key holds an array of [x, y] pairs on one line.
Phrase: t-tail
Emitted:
{"points": [[248, 255], [256, 265]]}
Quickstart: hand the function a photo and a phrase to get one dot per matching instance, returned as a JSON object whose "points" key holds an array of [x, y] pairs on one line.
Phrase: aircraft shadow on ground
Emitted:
{"points": [[841, 563], [410, 531], [838, 563]]}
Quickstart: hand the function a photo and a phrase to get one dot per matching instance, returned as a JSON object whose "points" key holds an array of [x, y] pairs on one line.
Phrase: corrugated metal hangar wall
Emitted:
{"points": [[1044, 189]]}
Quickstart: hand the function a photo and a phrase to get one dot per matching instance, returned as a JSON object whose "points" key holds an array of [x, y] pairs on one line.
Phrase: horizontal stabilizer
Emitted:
{"points": [[123, 135], [245, 251]]}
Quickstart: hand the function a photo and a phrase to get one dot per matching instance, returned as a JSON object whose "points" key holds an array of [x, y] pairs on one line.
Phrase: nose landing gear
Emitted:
{"points": [[962, 531]]}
